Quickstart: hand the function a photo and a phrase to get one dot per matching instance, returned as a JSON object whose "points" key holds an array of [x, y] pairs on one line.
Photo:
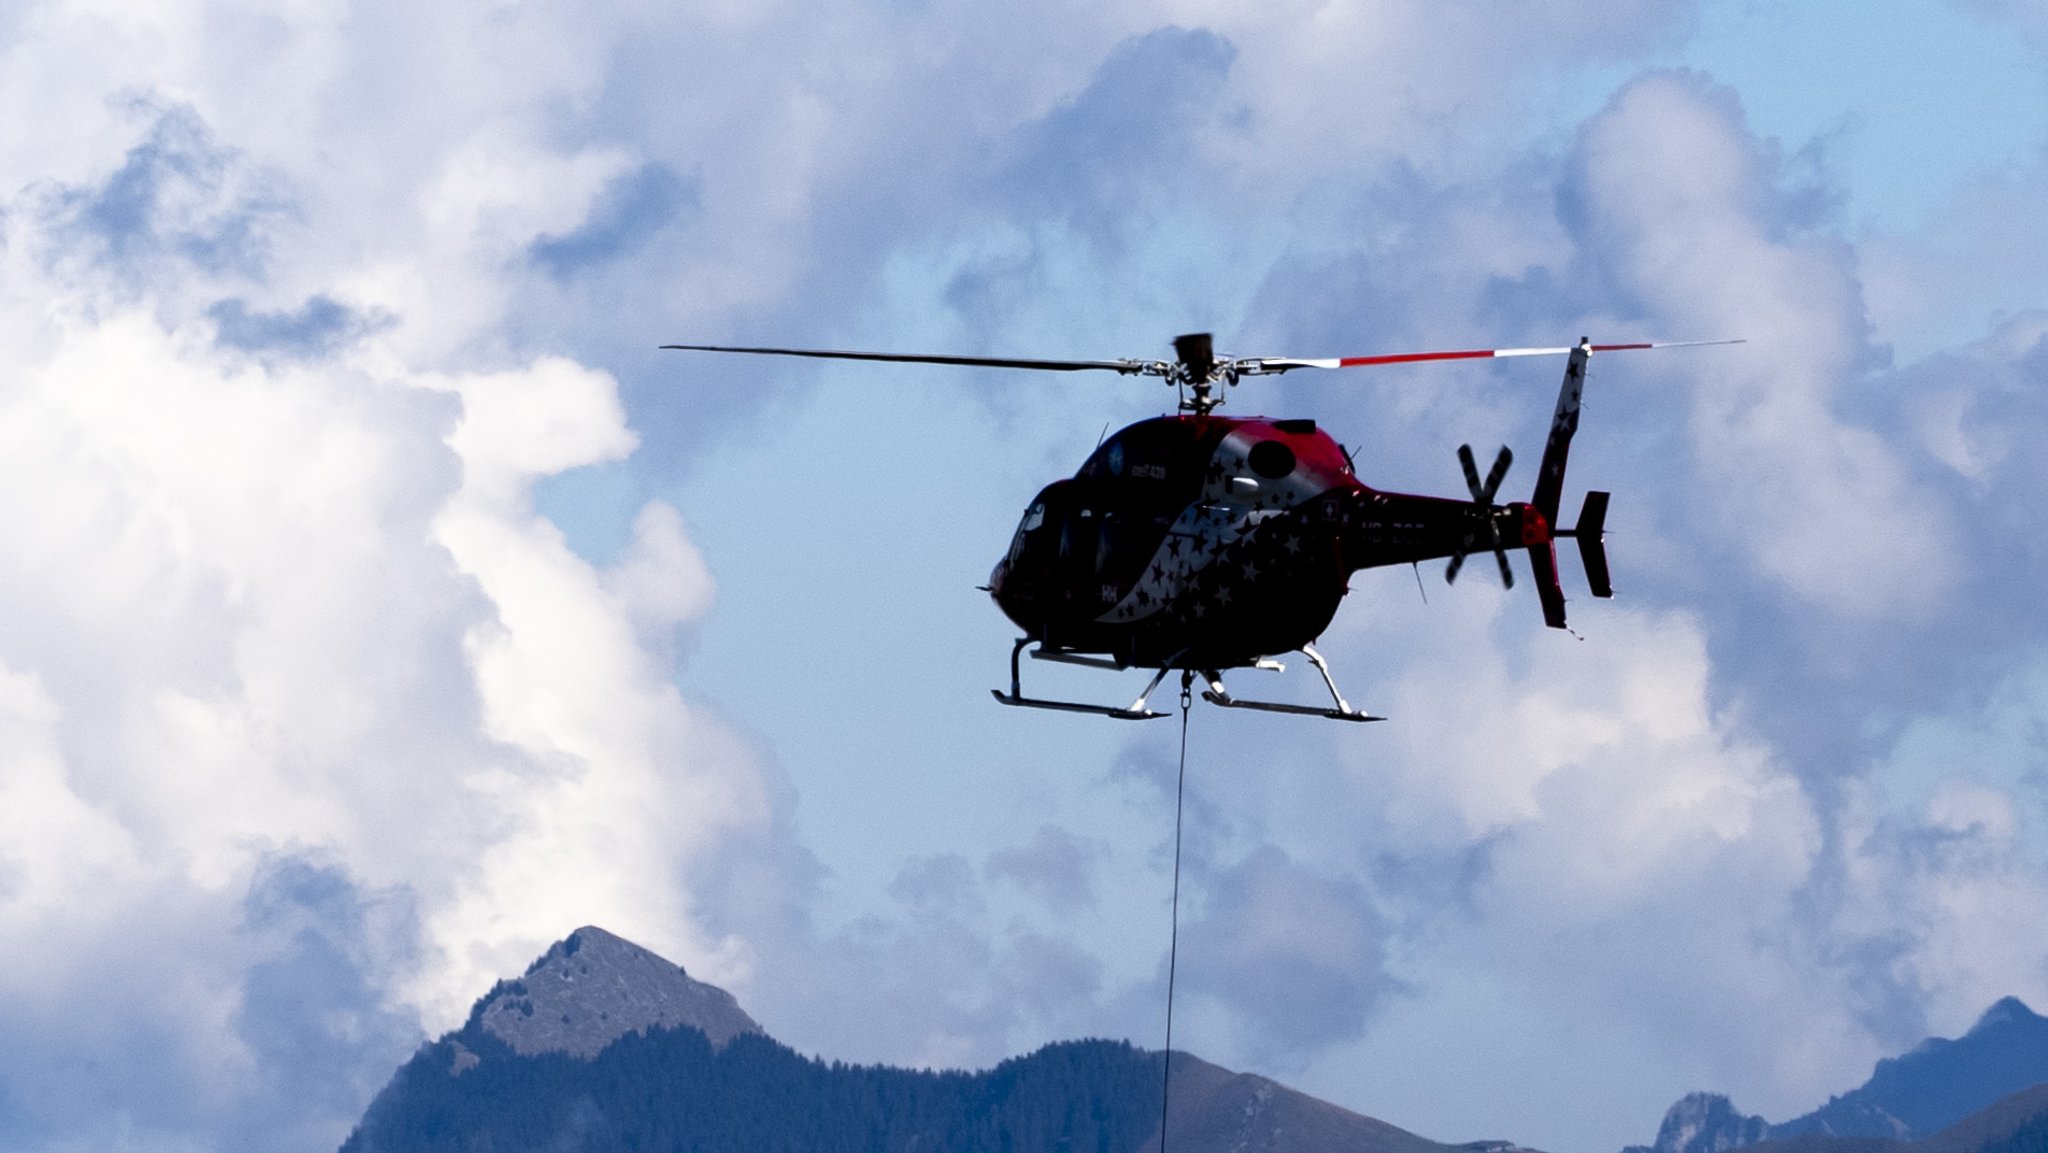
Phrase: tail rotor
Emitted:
{"points": [[1482, 498]]}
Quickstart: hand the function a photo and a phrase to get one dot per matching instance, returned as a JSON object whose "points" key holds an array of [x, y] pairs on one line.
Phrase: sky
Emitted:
{"points": [[378, 604]]}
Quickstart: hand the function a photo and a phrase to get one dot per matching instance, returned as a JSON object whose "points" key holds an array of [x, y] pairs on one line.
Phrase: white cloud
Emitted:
{"points": [[1661, 833], [661, 579], [618, 784], [275, 601], [1679, 199], [266, 607], [1979, 261], [57, 845]]}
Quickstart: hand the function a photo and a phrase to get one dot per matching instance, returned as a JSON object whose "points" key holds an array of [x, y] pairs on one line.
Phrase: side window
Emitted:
{"points": [[1126, 544], [1032, 545], [1078, 538]]}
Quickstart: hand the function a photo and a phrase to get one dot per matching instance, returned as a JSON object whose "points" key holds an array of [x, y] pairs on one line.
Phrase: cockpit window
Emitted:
{"points": [[1033, 542]]}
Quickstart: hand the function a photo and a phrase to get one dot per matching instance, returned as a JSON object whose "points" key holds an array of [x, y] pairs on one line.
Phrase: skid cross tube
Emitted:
{"points": [[1216, 694]]}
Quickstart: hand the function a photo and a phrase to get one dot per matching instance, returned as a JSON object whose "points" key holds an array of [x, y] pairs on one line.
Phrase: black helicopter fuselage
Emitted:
{"points": [[1200, 542], [1208, 542]]}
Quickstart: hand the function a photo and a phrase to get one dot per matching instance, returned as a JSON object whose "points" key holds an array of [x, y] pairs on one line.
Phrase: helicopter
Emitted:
{"points": [[1200, 542]]}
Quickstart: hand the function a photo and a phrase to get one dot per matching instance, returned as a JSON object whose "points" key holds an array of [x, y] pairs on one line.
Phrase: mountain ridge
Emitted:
{"points": [[602, 1045], [573, 1053], [1908, 1098]]}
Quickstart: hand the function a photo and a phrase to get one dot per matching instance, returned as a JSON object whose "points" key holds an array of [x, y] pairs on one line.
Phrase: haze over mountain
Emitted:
{"points": [[1935, 1085]]}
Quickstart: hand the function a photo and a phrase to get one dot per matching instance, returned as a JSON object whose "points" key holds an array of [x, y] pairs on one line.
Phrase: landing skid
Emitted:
{"points": [[1216, 694], [1078, 707], [1140, 709], [1137, 711]]}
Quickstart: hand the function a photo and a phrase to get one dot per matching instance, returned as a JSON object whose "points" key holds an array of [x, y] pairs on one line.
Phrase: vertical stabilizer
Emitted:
{"points": [[1550, 477], [1550, 486], [1543, 561]]}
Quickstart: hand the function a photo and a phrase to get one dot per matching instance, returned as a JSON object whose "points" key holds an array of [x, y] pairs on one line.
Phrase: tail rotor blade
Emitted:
{"points": [[1470, 538], [1500, 469], [1471, 472]]}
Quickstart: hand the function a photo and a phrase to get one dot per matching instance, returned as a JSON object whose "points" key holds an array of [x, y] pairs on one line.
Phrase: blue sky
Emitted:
{"points": [[382, 605]]}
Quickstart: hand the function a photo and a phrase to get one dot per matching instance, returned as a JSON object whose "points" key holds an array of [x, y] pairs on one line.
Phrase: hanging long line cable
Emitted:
{"points": [[1180, 790]]}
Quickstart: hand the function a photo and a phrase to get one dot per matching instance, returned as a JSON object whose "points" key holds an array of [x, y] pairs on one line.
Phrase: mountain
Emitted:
{"points": [[591, 988], [1940, 1081], [1704, 1123], [1217, 1111], [602, 1045], [1908, 1098], [2015, 1124]]}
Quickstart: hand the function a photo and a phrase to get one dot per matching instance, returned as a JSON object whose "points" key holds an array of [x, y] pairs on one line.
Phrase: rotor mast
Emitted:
{"points": [[1197, 373]]}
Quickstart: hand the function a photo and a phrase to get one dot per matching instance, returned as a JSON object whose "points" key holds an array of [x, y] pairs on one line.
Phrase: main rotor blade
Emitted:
{"points": [[1285, 364], [1127, 367]]}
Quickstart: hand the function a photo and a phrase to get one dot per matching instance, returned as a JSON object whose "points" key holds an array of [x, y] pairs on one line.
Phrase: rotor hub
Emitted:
{"points": [[1197, 373]]}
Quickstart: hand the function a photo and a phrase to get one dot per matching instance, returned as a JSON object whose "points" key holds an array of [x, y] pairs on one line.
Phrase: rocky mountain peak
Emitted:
{"points": [[1704, 1123], [591, 988], [1909, 1097], [2007, 1011]]}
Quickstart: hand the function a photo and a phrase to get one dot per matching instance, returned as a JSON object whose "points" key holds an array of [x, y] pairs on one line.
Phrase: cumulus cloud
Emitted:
{"points": [[1977, 263], [314, 1015], [319, 326], [1653, 832], [1055, 866], [179, 197], [1151, 106], [314, 726], [1615, 794], [960, 988], [1674, 193], [1296, 960], [632, 208], [1646, 835]]}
